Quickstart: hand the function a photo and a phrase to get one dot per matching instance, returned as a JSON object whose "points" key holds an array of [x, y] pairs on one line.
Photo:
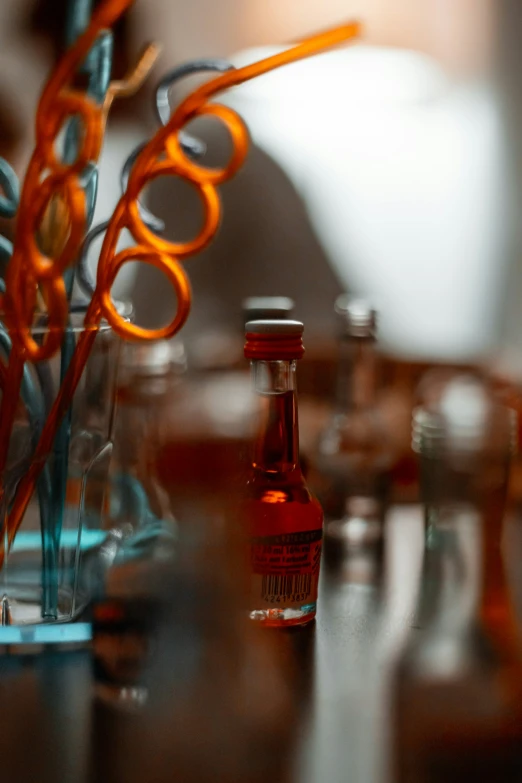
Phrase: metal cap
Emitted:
{"points": [[261, 307], [269, 326], [357, 317]]}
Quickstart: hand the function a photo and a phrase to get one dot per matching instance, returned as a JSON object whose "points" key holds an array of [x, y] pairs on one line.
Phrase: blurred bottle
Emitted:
{"points": [[353, 457], [125, 572], [285, 521], [126, 614], [459, 681], [147, 379]]}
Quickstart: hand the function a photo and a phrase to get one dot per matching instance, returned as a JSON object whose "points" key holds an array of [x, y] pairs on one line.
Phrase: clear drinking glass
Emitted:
{"points": [[42, 584]]}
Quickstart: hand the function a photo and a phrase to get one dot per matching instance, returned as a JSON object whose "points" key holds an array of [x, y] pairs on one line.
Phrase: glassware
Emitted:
{"points": [[41, 583], [285, 520], [459, 681], [129, 568], [353, 457], [147, 378]]}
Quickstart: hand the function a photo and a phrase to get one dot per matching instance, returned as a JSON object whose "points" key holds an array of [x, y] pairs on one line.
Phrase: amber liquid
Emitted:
{"points": [[285, 522]]}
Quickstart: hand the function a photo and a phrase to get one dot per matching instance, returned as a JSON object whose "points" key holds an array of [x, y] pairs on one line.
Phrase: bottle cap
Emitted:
{"points": [[257, 308], [272, 340], [357, 316]]}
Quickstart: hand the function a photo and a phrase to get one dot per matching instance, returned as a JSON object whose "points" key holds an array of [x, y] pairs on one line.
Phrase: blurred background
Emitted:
{"points": [[388, 169]]}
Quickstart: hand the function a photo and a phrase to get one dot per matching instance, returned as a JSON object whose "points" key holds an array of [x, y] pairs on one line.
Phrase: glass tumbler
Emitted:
{"points": [[42, 587]]}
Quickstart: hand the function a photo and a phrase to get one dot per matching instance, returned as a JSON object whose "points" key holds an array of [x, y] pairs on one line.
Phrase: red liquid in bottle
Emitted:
{"points": [[286, 521]]}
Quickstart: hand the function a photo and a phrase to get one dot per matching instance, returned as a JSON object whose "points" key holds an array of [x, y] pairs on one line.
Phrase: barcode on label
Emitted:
{"points": [[289, 586]]}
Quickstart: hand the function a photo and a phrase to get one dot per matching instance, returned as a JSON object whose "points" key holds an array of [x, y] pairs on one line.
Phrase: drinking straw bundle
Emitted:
{"points": [[39, 272], [52, 233]]}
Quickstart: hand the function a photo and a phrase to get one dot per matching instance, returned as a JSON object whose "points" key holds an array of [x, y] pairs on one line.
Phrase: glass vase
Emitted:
{"points": [[49, 572]]}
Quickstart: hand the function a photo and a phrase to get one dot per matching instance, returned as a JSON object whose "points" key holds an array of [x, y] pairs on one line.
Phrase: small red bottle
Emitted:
{"points": [[286, 521]]}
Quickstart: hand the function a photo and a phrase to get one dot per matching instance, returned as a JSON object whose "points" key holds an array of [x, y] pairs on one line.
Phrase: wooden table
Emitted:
{"points": [[346, 661]]}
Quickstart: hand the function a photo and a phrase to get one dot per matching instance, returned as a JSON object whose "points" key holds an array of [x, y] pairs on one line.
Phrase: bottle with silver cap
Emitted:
{"points": [[458, 686], [285, 521], [353, 458]]}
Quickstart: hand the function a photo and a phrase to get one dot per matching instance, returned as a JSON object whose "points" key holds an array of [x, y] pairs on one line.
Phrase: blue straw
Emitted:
{"points": [[98, 67]]}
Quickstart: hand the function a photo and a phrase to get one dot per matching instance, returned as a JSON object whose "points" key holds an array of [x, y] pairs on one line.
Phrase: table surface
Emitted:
{"points": [[347, 658], [361, 628]]}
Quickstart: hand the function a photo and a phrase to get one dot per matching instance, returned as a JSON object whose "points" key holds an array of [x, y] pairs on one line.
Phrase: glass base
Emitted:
{"points": [[24, 601], [45, 633], [24, 607], [284, 617]]}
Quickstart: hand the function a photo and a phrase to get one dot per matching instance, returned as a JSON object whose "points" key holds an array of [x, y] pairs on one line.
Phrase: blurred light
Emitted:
{"points": [[400, 171], [274, 496]]}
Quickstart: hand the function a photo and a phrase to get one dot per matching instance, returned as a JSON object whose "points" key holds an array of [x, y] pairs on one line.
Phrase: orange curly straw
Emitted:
{"points": [[29, 269], [162, 155]]}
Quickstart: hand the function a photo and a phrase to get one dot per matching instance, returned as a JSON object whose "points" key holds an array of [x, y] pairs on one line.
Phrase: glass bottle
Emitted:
{"points": [[147, 378], [353, 456], [458, 706], [127, 572], [286, 521]]}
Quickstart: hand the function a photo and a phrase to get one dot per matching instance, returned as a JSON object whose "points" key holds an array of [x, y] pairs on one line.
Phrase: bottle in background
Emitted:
{"points": [[353, 458], [148, 377], [285, 521], [458, 691], [126, 572]]}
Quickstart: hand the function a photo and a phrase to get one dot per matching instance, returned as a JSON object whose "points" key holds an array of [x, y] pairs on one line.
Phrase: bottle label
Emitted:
{"points": [[285, 569]]}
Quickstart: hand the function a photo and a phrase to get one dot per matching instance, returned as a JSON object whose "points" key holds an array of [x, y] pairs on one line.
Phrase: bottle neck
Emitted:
{"points": [[356, 376], [277, 445]]}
